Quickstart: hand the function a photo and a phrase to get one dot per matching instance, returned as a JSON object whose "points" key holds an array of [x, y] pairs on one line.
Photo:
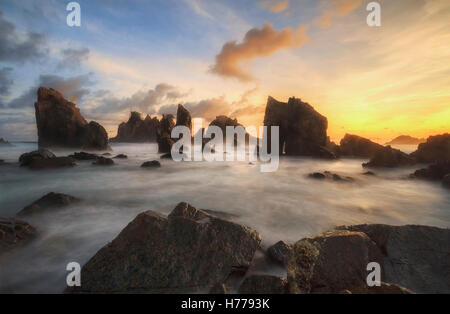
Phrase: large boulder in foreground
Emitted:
{"points": [[357, 146], [414, 257], [435, 149], [60, 124], [13, 233], [389, 157], [303, 131], [189, 250], [44, 159], [137, 130], [49, 201], [263, 284]]}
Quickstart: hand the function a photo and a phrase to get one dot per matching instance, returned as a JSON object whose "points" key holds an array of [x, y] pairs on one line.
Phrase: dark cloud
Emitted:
{"points": [[5, 81], [17, 47], [73, 88], [143, 101], [72, 58]]}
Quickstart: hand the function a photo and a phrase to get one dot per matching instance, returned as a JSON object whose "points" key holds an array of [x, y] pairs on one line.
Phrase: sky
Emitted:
{"points": [[225, 57]]}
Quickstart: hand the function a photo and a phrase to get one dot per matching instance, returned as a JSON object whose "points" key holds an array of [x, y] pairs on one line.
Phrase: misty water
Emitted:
{"points": [[282, 205]]}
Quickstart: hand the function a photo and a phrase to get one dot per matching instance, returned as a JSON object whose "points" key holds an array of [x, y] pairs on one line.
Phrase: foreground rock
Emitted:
{"points": [[49, 201], [44, 159], [389, 157], [436, 171], [414, 257], [151, 164], [357, 146], [303, 131], [137, 130], [327, 175], [13, 233], [189, 250], [280, 252], [263, 284], [83, 156], [435, 149], [103, 161], [60, 124]]}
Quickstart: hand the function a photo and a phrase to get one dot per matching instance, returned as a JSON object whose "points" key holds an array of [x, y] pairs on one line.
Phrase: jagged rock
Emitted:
{"points": [[331, 262], [184, 117], [189, 250], [280, 252], [390, 157], [414, 257], [60, 124], [436, 171], [446, 181], [165, 144], [263, 284], [44, 159], [137, 130], [151, 164], [219, 288], [330, 176], [405, 140], [384, 288], [49, 201], [102, 161], [42, 153], [357, 146], [83, 156], [13, 233], [165, 141], [435, 149], [303, 131], [121, 156], [222, 122], [333, 147]]}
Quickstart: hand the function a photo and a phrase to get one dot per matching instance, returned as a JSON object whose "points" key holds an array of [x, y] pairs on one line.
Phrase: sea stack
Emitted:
{"points": [[60, 124], [137, 130]]}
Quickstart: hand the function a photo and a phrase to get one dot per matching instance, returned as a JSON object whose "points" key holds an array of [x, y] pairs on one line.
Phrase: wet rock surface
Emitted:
{"points": [[44, 159], [13, 233], [47, 202], [60, 124], [83, 156], [280, 252], [151, 164], [436, 171], [327, 175], [103, 161], [121, 156], [263, 284], [188, 250]]}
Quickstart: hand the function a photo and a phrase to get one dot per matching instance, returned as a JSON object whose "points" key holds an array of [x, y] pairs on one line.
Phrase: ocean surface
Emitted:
{"points": [[281, 205]]}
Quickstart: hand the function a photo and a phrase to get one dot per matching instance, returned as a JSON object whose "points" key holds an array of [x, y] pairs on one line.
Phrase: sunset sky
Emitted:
{"points": [[227, 57]]}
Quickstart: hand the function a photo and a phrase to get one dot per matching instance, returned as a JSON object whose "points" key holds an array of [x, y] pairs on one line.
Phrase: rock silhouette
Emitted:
{"points": [[357, 146], [137, 130], [435, 149]]}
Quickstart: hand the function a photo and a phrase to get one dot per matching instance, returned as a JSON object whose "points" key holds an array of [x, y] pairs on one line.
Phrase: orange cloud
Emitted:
{"points": [[257, 43], [340, 8], [275, 6]]}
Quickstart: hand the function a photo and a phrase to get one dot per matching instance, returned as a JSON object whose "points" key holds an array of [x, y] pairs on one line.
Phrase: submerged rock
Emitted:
{"points": [[151, 164], [60, 124], [436, 171], [103, 161], [303, 131], [42, 153], [49, 201], [13, 233], [121, 156], [44, 159], [414, 257], [435, 149], [280, 252], [137, 130], [83, 156], [389, 157], [263, 284], [357, 146], [189, 250], [329, 176]]}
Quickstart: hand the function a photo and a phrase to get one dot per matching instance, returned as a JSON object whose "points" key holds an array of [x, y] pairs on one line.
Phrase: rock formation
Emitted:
{"points": [[303, 131], [330, 176], [165, 140], [49, 201], [415, 257], [184, 117], [44, 159], [103, 161], [4, 142], [137, 130], [390, 157], [280, 252], [189, 250], [13, 233], [263, 284], [436, 148], [151, 164], [405, 140], [83, 156], [357, 146], [60, 124]]}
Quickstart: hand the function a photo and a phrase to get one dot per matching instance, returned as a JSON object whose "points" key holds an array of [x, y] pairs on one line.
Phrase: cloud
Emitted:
{"points": [[19, 47], [72, 58], [5, 81], [257, 43], [143, 101], [275, 6], [340, 8], [73, 89]]}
